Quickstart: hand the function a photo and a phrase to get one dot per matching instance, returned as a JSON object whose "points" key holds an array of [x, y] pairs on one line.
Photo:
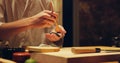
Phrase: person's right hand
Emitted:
{"points": [[44, 19]]}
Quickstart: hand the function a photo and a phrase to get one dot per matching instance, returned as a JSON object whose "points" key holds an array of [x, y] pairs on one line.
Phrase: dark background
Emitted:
{"points": [[68, 22], [99, 22]]}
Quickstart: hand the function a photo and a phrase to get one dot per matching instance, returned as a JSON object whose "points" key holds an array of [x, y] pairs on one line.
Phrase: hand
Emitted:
{"points": [[44, 19], [55, 36]]}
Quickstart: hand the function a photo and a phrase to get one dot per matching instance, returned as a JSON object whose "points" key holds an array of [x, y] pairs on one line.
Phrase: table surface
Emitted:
{"points": [[66, 56]]}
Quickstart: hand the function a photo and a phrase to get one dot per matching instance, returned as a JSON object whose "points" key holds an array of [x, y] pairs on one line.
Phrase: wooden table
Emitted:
{"points": [[66, 56]]}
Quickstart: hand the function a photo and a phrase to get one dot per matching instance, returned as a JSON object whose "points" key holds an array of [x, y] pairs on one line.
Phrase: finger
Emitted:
{"points": [[43, 24], [47, 11], [47, 23], [52, 14], [49, 18], [52, 37], [49, 37], [56, 33]]}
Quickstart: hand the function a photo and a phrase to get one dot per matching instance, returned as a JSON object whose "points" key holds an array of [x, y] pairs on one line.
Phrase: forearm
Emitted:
{"points": [[17, 24], [6, 34], [12, 28]]}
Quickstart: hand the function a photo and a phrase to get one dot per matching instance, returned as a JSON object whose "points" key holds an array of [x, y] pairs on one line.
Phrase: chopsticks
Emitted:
{"points": [[56, 24]]}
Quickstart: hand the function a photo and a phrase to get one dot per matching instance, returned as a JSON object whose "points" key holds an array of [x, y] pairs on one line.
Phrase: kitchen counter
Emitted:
{"points": [[65, 55]]}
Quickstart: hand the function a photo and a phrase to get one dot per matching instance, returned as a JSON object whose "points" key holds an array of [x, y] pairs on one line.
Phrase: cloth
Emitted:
{"points": [[12, 10]]}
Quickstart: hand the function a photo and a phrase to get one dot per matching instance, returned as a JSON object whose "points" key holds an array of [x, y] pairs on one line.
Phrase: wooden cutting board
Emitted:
{"points": [[42, 49]]}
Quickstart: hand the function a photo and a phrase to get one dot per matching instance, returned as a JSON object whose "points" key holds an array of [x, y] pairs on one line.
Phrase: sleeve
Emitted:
{"points": [[2, 11], [46, 4]]}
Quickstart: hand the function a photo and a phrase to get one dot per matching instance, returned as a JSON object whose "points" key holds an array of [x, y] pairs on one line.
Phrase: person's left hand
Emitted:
{"points": [[56, 35]]}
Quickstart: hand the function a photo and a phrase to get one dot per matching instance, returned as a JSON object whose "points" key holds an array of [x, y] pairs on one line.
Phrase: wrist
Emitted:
{"points": [[31, 21]]}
